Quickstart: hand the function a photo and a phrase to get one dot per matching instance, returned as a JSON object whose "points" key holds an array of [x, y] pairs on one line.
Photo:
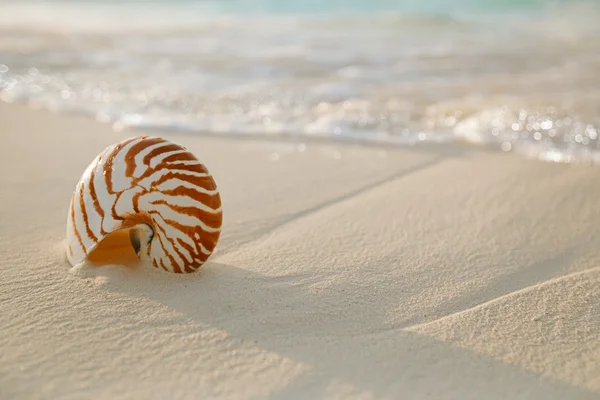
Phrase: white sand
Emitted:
{"points": [[343, 272]]}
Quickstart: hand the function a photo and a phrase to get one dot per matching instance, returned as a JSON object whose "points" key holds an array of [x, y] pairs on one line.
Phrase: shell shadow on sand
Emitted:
{"points": [[286, 315]]}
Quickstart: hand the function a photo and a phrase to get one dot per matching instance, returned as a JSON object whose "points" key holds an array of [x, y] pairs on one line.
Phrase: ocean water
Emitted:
{"points": [[520, 76]]}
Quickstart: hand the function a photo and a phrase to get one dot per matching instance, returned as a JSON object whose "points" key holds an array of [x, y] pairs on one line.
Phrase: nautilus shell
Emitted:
{"points": [[145, 198]]}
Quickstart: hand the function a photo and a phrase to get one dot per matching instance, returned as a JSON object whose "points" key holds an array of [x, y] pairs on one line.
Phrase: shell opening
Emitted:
{"points": [[123, 246]]}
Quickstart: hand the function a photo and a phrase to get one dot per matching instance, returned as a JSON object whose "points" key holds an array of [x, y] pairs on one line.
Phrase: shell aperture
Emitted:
{"points": [[147, 198]]}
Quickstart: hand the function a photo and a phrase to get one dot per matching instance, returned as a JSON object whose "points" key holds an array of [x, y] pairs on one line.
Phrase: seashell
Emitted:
{"points": [[145, 198]]}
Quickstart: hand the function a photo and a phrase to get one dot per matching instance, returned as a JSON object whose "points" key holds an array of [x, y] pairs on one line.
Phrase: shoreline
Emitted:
{"points": [[453, 145], [450, 146], [343, 271]]}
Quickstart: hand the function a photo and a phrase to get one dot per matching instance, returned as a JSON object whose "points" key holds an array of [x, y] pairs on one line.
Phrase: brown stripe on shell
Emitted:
{"points": [[214, 223], [135, 150], [155, 264], [74, 222], [205, 182], [88, 231], [162, 264], [212, 201], [180, 157], [95, 200], [193, 251], [200, 168], [113, 211], [164, 149], [136, 198], [108, 166], [210, 239], [187, 230], [131, 220], [175, 167], [175, 266], [162, 245], [213, 220], [189, 268]]}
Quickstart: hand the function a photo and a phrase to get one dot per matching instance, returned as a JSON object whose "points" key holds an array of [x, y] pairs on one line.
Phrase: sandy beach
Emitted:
{"points": [[343, 272]]}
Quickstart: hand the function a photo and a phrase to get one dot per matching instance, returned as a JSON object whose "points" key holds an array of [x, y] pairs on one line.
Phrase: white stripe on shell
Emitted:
{"points": [[185, 162], [87, 196], [105, 199], [178, 201], [119, 180], [173, 184], [80, 221], [173, 234], [155, 177], [158, 159], [183, 219], [78, 252], [140, 167], [204, 249], [124, 203], [169, 247], [157, 253]]}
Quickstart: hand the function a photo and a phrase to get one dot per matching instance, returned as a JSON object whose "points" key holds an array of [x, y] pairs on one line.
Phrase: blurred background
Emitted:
{"points": [[514, 75]]}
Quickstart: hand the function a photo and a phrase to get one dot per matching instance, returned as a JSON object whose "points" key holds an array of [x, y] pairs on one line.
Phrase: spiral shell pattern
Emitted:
{"points": [[147, 182]]}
